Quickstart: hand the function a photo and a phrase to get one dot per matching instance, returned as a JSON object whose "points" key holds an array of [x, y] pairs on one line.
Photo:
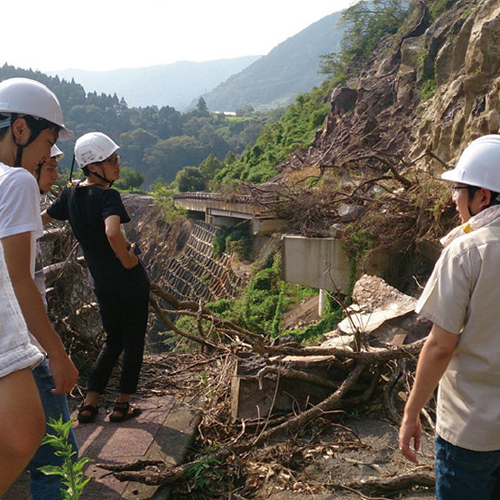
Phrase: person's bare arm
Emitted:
{"points": [[123, 249], [17, 250], [46, 218], [432, 363]]}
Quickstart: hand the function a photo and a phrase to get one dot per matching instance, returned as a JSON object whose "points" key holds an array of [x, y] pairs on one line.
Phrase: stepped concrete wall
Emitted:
{"points": [[195, 274]]}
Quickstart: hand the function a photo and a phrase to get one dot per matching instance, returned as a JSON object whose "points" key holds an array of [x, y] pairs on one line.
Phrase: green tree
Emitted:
{"points": [[129, 179], [366, 24], [134, 143], [210, 166], [201, 107], [190, 179], [167, 157]]}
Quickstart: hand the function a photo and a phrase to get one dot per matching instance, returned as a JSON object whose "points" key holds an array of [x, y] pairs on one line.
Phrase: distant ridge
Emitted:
{"points": [[263, 82], [290, 69], [173, 85]]}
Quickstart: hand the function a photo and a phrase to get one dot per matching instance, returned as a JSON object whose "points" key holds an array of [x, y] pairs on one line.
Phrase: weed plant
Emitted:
{"points": [[70, 471]]}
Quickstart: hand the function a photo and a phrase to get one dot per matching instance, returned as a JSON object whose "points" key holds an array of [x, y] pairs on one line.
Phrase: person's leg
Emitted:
{"points": [[464, 474], [111, 311], [133, 341], [496, 490], [22, 424], [45, 487], [134, 325]]}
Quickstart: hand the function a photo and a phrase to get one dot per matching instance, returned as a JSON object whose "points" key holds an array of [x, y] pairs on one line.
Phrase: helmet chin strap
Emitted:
{"points": [[20, 148], [38, 171], [470, 210], [103, 178], [35, 127]]}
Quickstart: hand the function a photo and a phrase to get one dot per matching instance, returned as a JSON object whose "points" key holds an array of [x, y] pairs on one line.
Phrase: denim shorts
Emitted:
{"points": [[55, 406], [466, 475]]}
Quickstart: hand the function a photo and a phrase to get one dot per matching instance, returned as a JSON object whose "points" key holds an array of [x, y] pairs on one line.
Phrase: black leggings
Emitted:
{"points": [[124, 316]]}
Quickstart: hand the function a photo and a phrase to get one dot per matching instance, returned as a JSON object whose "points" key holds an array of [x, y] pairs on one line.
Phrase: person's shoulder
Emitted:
{"points": [[474, 240], [112, 194], [16, 176]]}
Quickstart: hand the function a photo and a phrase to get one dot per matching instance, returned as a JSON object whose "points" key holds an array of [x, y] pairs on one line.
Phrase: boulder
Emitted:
{"points": [[384, 314]]}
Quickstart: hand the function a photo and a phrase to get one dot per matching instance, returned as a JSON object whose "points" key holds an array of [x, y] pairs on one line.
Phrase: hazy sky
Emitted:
{"points": [[109, 34]]}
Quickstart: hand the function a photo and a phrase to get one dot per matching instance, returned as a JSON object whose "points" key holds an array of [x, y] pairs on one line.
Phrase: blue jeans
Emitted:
{"points": [[466, 475], [48, 487]]}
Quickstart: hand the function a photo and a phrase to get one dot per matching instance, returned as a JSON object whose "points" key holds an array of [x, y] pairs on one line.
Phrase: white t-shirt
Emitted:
{"points": [[20, 209], [16, 350], [462, 296]]}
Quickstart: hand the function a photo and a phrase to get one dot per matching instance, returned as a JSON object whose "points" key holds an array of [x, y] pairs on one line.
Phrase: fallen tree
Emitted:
{"points": [[355, 376]]}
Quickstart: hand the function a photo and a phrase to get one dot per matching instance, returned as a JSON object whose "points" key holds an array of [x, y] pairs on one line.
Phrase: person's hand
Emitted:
{"points": [[132, 260], [64, 373], [411, 429]]}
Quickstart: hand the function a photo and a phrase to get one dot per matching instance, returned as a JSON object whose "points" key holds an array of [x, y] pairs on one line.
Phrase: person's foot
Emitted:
{"points": [[87, 413], [124, 411]]}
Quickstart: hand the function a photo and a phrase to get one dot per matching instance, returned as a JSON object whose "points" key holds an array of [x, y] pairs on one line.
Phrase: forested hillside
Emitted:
{"points": [[155, 141], [159, 141], [288, 70]]}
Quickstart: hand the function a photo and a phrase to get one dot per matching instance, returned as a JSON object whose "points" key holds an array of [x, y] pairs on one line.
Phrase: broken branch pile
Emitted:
{"points": [[329, 379]]}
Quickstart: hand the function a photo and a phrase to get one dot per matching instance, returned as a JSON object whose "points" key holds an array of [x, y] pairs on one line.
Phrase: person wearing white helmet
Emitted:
{"points": [[30, 123], [46, 174], [121, 283], [462, 353], [55, 405]]}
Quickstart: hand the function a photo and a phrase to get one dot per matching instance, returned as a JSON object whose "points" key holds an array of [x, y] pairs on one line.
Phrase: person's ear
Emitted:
{"points": [[484, 198], [91, 167], [20, 130]]}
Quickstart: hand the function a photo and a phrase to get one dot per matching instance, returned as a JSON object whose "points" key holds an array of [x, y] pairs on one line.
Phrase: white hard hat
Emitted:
{"points": [[479, 164], [93, 147], [29, 97], [56, 153]]}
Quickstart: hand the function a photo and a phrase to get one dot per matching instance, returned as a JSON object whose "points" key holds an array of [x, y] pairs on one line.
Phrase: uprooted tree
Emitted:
{"points": [[356, 375]]}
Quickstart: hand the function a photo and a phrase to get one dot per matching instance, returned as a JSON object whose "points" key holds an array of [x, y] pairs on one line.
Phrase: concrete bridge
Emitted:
{"points": [[223, 212], [316, 262]]}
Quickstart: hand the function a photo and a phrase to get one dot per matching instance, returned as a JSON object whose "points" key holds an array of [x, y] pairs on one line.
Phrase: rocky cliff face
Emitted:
{"points": [[422, 97], [457, 55], [463, 46]]}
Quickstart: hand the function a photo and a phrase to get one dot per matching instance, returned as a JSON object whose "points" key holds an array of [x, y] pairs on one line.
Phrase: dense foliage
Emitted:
{"points": [[295, 129], [365, 23], [155, 142]]}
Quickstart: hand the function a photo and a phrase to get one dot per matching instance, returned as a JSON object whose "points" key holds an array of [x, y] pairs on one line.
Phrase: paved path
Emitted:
{"points": [[164, 430]]}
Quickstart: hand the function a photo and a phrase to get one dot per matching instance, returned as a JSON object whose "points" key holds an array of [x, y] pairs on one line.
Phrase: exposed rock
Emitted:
{"points": [[343, 99], [384, 314], [348, 213]]}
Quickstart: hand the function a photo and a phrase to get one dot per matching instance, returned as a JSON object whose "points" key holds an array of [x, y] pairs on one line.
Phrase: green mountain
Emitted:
{"points": [[288, 70]]}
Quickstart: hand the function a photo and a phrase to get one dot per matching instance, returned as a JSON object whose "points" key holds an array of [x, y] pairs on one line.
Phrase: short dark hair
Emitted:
{"points": [[495, 197], [36, 125]]}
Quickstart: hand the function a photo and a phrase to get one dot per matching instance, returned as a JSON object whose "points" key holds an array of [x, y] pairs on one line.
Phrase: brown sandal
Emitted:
{"points": [[123, 408]]}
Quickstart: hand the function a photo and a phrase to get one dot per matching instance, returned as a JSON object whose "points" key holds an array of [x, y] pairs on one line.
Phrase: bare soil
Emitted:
{"points": [[338, 463]]}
